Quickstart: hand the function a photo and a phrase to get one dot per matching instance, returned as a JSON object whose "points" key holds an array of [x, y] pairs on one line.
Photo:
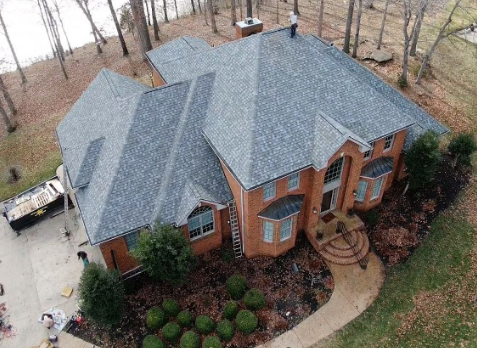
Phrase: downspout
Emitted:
{"points": [[243, 226]]}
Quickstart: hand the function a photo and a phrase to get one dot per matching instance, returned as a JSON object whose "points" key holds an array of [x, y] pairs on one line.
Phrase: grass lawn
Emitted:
{"points": [[427, 301]]}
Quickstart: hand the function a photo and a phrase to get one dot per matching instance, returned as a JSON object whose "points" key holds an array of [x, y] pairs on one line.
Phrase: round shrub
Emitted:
{"points": [[211, 342], [171, 332], [236, 286], [204, 324], [155, 318], [462, 147], [225, 330], [190, 340], [184, 319], [151, 341], [246, 321], [171, 307], [231, 309], [255, 300]]}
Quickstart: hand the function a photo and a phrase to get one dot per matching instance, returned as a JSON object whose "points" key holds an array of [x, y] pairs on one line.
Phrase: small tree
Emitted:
{"points": [[462, 147], [165, 254], [101, 293], [422, 160]]}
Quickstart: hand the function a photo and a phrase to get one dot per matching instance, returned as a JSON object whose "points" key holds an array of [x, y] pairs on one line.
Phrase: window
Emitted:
{"points": [[269, 191], [268, 231], [201, 222], [368, 154], [293, 181], [378, 184], [334, 171], [388, 142], [362, 187], [285, 229], [131, 240]]}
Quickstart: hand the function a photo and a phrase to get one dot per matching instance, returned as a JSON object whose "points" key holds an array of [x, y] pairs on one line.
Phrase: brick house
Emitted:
{"points": [[282, 130]]}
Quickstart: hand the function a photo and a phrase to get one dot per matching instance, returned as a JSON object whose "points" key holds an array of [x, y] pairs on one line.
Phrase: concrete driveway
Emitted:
{"points": [[35, 266]]}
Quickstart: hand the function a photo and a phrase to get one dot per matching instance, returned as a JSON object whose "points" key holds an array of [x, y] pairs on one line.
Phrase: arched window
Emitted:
{"points": [[334, 171], [201, 222]]}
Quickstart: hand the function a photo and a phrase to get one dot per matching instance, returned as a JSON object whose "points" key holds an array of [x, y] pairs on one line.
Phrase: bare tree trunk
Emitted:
{"points": [[200, 8], [19, 68], [62, 26], [205, 12], [148, 14], [141, 25], [405, 60], [118, 28], [154, 20], [7, 97], [249, 8], [212, 16], [349, 21], [415, 38], [164, 3], [383, 23], [233, 13], [358, 24], [295, 7], [258, 8], [278, 19], [46, 28], [193, 6], [11, 126], [241, 14], [88, 15], [177, 11], [49, 17], [320, 17]]}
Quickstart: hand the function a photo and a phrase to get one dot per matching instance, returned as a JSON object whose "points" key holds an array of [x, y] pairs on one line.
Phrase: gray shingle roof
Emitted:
{"points": [[378, 167], [283, 207], [152, 149]]}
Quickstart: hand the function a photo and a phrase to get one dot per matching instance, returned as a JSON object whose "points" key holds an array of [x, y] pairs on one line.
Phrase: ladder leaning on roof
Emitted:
{"points": [[237, 244]]}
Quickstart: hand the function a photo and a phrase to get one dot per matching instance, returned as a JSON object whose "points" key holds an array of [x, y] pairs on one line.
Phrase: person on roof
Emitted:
{"points": [[294, 23]]}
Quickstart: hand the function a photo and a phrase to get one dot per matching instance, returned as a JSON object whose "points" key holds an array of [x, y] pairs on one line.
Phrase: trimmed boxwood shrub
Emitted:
{"points": [[225, 330], [171, 332], [151, 341], [204, 324], [190, 340], [171, 307], [231, 309], [255, 300], [246, 321], [236, 286], [155, 318], [184, 319], [211, 342]]}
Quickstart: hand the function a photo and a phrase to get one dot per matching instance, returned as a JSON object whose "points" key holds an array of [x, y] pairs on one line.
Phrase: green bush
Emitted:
{"points": [[422, 160], [190, 340], [171, 332], [231, 309], [184, 319], [402, 81], [204, 324], [255, 300], [236, 286], [225, 330], [462, 147], [101, 293], [165, 254], [372, 218], [151, 341], [211, 342], [171, 307], [246, 321], [155, 318]]}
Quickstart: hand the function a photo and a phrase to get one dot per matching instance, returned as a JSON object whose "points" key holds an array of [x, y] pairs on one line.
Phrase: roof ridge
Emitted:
{"points": [[344, 130], [105, 72]]}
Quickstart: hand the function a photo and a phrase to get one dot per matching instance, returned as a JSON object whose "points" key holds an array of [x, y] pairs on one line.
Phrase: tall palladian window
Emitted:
{"points": [[201, 222], [334, 171]]}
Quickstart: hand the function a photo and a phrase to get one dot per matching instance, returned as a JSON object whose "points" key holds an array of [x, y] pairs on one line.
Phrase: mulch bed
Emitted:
{"points": [[291, 297], [400, 224]]}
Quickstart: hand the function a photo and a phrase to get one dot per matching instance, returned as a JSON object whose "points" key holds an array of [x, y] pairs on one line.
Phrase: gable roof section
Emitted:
{"points": [[152, 149]]}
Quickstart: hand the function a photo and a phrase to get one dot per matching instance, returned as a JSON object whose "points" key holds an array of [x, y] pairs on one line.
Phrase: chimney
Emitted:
{"points": [[248, 27]]}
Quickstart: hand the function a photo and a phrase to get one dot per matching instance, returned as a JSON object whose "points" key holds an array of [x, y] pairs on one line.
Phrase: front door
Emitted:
{"points": [[329, 200]]}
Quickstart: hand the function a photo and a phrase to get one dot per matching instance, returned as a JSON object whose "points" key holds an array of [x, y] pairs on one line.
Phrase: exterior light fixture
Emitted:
{"points": [[315, 211]]}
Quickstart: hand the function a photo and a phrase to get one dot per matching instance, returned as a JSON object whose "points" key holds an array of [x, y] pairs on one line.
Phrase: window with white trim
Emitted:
{"points": [[334, 171], [293, 181], [269, 191], [368, 154], [388, 142], [285, 229], [131, 240], [201, 222], [378, 184], [361, 192], [267, 231]]}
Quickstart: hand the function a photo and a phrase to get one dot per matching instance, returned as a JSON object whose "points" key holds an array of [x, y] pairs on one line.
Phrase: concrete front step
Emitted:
{"points": [[346, 257], [341, 244]]}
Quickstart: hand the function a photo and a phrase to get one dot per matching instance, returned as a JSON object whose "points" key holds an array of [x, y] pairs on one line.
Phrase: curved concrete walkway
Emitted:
{"points": [[355, 290]]}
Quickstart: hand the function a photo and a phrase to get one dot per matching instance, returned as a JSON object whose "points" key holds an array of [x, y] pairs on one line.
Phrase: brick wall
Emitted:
{"points": [[123, 260]]}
